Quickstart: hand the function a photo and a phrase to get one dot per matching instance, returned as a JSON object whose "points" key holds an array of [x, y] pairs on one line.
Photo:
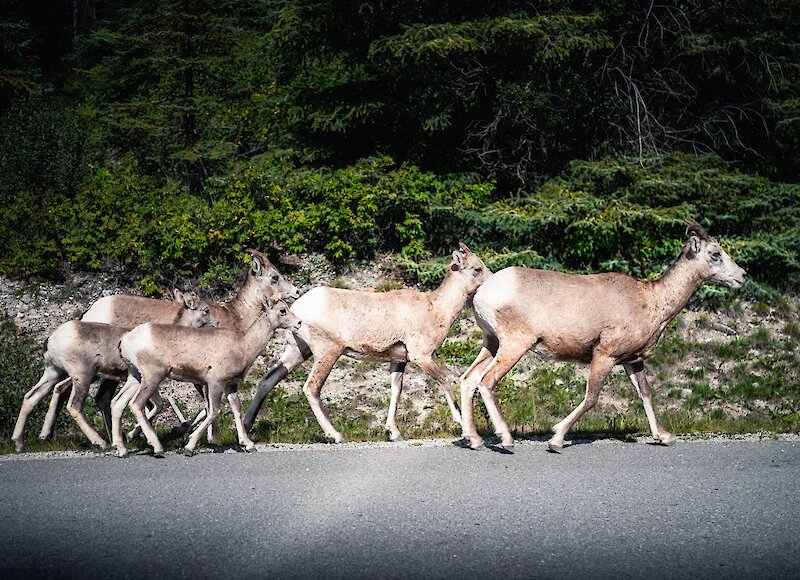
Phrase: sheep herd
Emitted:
{"points": [[599, 319]]}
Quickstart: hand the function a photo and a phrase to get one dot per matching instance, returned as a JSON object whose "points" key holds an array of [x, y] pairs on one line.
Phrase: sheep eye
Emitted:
{"points": [[283, 312], [275, 278], [716, 256], [478, 271]]}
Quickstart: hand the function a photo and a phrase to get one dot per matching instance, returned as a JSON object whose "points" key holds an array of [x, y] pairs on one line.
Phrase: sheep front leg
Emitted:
{"points": [[636, 374], [396, 373], [232, 393], [598, 371], [316, 378], [214, 404]]}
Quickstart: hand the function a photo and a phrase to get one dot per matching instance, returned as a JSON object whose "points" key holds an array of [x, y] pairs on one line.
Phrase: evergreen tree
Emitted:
{"points": [[170, 81]]}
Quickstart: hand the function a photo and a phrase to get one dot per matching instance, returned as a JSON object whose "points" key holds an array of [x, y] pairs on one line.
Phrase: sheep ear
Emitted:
{"points": [[694, 247], [458, 258], [191, 300], [464, 248], [177, 295], [256, 267]]}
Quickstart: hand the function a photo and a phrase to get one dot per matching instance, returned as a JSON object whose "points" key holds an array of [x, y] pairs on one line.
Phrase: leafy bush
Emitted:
{"points": [[626, 215], [614, 214]]}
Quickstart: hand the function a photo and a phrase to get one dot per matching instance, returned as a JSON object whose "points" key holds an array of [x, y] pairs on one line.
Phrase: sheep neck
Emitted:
{"points": [[450, 296], [246, 304], [674, 289], [256, 336]]}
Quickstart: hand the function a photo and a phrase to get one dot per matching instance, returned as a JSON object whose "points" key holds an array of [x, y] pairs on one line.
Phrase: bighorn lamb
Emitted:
{"points": [[128, 311], [83, 350], [215, 357], [600, 319], [399, 326]]}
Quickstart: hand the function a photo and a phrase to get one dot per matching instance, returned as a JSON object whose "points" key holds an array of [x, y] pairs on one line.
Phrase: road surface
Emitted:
{"points": [[602, 509]]}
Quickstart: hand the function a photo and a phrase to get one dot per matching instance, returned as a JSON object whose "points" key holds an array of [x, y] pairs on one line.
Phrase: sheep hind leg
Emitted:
{"points": [[80, 390], [118, 404], [503, 361], [469, 383], [637, 377], [105, 392], [38, 392], [153, 407], [137, 406], [600, 367], [295, 353], [433, 370], [396, 373], [57, 402]]}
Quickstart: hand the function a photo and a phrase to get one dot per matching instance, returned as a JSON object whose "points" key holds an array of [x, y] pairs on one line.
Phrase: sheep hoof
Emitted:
{"points": [[188, 452], [396, 438], [507, 446], [477, 446], [19, 446], [554, 447], [251, 449], [667, 440], [158, 454], [122, 454]]}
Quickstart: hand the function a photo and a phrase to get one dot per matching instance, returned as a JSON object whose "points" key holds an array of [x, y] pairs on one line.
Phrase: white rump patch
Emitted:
{"points": [[100, 311], [134, 342], [499, 290], [312, 305]]}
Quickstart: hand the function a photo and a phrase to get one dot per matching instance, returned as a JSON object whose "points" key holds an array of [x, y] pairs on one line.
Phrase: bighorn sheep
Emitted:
{"points": [[215, 357], [601, 319], [128, 311], [83, 350], [399, 326]]}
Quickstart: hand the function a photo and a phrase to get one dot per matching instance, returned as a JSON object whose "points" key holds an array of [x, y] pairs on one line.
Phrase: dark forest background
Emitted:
{"points": [[164, 136]]}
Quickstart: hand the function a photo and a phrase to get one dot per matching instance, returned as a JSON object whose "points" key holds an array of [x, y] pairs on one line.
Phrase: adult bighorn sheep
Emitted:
{"points": [[81, 351], [215, 357], [128, 311], [397, 327], [600, 319]]}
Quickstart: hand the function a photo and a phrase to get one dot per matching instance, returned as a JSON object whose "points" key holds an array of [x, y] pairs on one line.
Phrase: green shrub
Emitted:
{"points": [[44, 159]]}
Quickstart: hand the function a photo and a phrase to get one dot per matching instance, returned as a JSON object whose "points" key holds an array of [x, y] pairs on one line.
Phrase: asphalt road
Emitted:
{"points": [[605, 509]]}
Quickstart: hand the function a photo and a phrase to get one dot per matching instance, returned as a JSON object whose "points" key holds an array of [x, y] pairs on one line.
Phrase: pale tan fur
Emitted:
{"points": [[601, 319], [83, 350], [397, 327], [263, 279], [215, 357]]}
